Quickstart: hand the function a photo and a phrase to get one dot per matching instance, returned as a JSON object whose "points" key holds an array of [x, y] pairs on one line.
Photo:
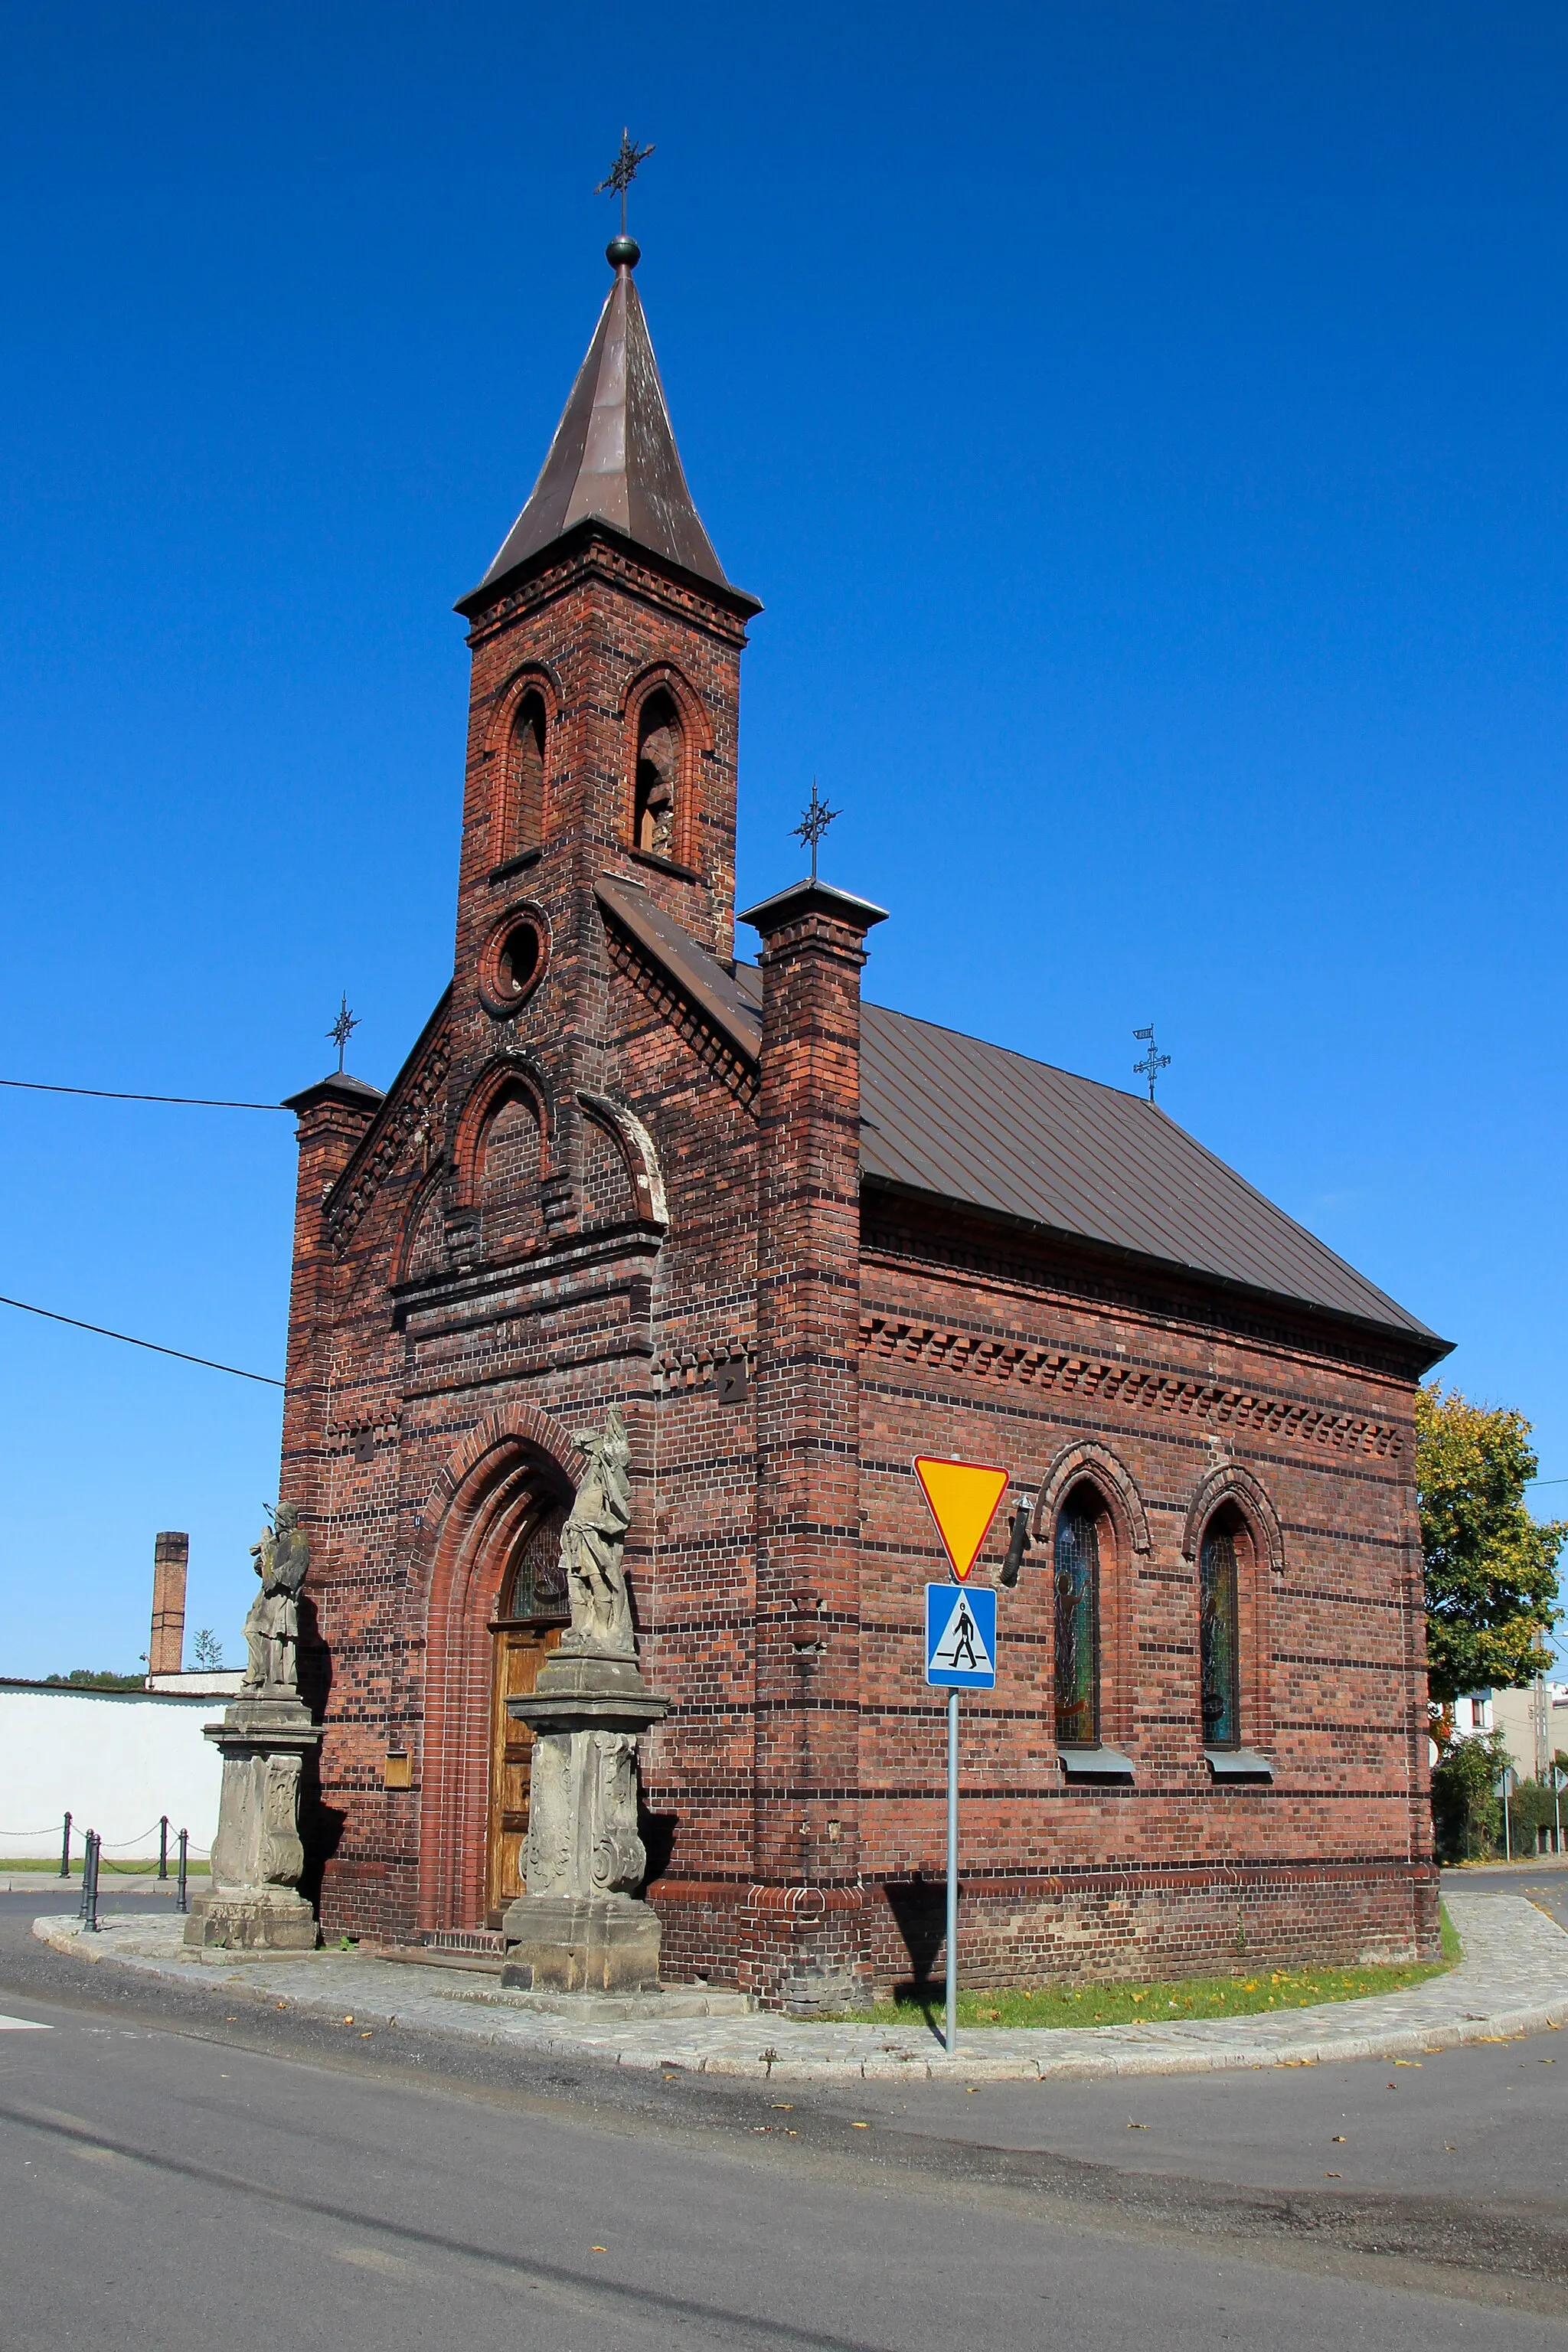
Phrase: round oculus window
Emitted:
{"points": [[513, 961], [516, 966]]}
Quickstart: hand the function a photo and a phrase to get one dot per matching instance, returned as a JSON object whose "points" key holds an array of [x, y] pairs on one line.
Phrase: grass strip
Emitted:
{"points": [[1452, 1949], [1259, 1993]]}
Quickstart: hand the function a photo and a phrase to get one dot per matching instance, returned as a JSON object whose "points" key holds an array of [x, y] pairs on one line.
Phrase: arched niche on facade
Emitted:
{"points": [[511, 1080], [626, 1136]]}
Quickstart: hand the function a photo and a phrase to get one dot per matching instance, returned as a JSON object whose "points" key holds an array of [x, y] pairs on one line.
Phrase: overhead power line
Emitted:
{"points": [[113, 1094], [104, 1332]]}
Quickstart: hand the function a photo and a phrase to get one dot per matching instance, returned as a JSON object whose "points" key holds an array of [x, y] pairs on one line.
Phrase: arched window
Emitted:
{"points": [[525, 828], [1219, 1642], [654, 798], [1077, 1571]]}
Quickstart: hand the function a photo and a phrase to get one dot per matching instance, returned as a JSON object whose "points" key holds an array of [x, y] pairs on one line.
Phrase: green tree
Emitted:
{"points": [[1491, 1569]]}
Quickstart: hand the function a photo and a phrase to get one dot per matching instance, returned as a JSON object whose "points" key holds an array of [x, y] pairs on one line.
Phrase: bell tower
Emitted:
{"points": [[603, 720]]}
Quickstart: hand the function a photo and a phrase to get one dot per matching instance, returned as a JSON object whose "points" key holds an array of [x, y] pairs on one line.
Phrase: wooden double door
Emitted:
{"points": [[519, 1649]]}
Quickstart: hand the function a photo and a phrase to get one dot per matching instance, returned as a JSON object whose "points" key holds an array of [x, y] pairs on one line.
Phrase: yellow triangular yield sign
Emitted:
{"points": [[963, 1497]]}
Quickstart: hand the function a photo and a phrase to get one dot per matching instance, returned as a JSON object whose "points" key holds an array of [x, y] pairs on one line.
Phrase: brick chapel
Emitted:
{"points": [[799, 1238]]}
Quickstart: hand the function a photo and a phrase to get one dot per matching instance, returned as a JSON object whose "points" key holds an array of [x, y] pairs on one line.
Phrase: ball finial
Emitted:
{"points": [[623, 252]]}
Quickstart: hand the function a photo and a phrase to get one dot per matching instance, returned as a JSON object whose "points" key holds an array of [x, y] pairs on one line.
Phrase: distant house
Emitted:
{"points": [[1534, 1723]]}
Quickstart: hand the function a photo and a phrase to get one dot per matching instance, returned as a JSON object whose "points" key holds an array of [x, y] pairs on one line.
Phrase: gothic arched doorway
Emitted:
{"points": [[496, 1606], [531, 1614]]}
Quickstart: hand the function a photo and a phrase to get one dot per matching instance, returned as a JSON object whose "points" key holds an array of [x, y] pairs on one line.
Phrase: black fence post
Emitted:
{"points": [[163, 1845], [181, 1900], [90, 1881], [66, 1850]]}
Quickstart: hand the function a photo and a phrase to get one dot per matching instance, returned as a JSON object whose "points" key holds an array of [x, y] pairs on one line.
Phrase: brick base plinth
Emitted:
{"points": [[790, 1946], [1066, 1928]]}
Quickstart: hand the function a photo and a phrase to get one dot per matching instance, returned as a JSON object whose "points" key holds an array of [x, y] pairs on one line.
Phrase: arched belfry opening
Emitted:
{"points": [[660, 775], [524, 826]]}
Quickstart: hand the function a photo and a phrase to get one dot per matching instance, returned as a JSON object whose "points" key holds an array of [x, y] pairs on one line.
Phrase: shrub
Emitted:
{"points": [[1467, 1804]]}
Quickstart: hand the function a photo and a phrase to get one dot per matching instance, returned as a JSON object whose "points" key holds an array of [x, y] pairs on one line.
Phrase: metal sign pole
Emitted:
{"points": [[961, 1638], [951, 2028]]}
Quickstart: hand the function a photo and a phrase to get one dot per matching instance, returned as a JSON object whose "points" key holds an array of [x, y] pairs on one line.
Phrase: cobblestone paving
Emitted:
{"points": [[1513, 1978]]}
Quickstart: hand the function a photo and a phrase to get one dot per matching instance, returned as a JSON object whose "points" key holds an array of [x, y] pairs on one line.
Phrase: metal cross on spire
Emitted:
{"points": [[622, 172], [341, 1030], [1152, 1063], [814, 822]]}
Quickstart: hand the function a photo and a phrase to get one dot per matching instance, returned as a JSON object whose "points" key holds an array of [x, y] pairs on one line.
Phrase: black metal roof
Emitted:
{"points": [[950, 1115], [613, 459]]}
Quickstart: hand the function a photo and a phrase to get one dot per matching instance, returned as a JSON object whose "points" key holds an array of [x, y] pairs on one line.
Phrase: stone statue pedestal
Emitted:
{"points": [[254, 1903], [580, 1927]]}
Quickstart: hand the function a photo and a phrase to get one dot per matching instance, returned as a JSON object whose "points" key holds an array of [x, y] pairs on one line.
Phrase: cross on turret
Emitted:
{"points": [[1152, 1063], [814, 822], [622, 172], [341, 1030]]}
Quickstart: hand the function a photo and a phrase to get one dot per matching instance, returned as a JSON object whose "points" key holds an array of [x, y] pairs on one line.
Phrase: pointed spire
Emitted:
{"points": [[613, 458]]}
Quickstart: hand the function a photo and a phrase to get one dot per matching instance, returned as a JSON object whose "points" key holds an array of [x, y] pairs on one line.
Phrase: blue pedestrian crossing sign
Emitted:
{"points": [[961, 1637]]}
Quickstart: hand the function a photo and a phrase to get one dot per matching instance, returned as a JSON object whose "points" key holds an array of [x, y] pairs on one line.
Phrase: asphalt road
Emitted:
{"points": [[1544, 1881], [204, 2165]]}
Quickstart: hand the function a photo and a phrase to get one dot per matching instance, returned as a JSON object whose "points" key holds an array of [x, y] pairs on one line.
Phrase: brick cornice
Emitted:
{"points": [[1113, 1380]]}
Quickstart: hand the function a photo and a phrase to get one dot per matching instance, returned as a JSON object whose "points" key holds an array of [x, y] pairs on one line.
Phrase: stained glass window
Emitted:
{"points": [[1216, 1625], [1078, 1627], [539, 1579]]}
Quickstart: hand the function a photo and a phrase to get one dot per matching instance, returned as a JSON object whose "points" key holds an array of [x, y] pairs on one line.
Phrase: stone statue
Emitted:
{"points": [[658, 756], [580, 1924], [593, 1543], [252, 1899], [272, 1627]]}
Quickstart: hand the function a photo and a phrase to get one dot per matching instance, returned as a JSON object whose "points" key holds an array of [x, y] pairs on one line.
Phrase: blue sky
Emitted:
{"points": [[1143, 424]]}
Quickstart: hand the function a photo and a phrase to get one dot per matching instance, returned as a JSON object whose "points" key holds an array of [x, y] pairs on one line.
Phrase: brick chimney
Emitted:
{"points": [[806, 1900], [171, 1556]]}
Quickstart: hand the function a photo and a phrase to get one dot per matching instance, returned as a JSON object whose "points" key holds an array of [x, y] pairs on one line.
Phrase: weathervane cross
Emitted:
{"points": [[622, 172], [814, 822], [1152, 1063], [341, 1030]]}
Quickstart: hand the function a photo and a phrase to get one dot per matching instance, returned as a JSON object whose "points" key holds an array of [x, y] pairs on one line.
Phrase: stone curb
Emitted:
{"points": [[1514, 1981]]}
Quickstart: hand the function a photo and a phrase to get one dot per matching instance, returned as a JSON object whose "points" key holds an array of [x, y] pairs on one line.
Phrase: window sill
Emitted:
{"points": [[664, 864], [1239, 1764], [515, 866], [1097, 1763]]}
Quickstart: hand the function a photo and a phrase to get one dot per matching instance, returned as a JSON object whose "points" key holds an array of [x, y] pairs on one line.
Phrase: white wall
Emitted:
{"points": [[116, 1759]]}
